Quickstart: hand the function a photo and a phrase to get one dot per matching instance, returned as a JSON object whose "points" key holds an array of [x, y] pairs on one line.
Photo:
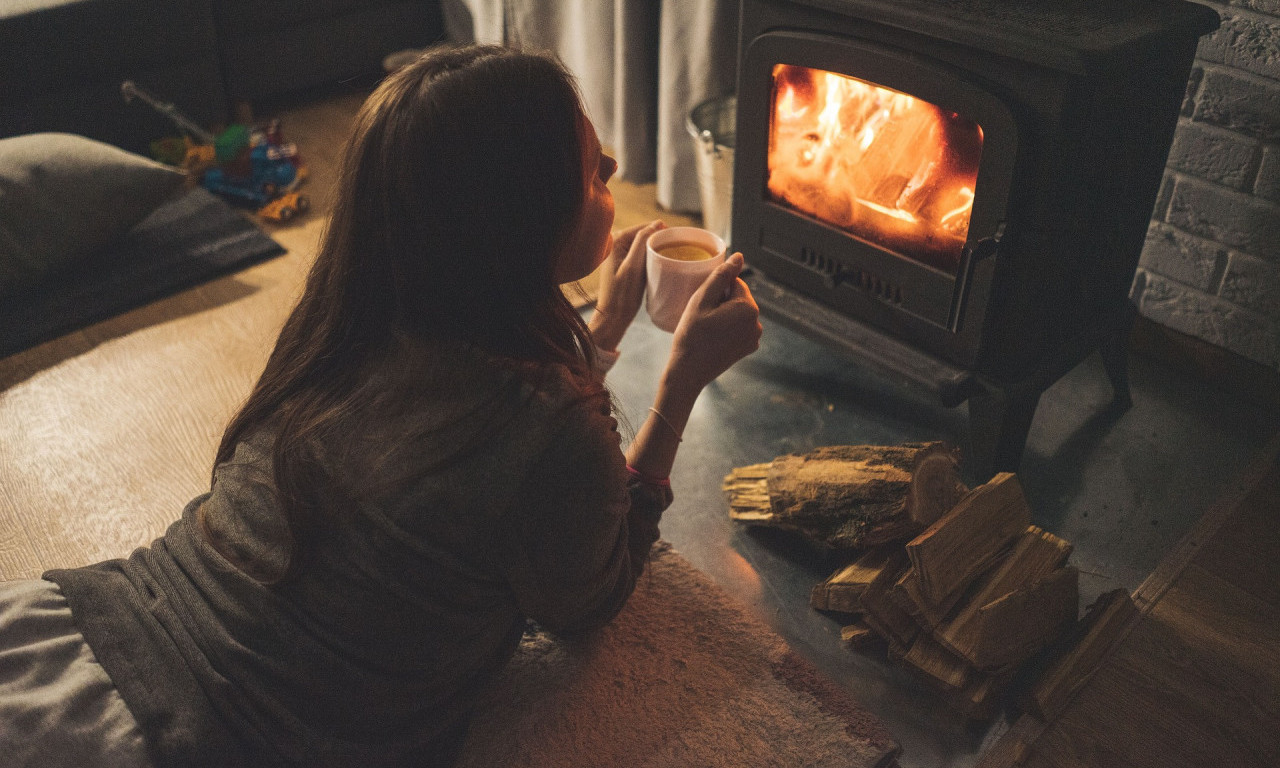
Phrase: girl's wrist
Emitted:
{"points": [[606, 331], [676, 395], [654, 449], [678, 384]]}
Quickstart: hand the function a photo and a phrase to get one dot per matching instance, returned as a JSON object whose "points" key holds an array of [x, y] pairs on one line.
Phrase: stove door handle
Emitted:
{"points": [[987, 246]]}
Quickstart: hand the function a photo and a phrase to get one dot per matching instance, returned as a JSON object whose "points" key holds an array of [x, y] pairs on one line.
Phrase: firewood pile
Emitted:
{"points": [[954, 583]]}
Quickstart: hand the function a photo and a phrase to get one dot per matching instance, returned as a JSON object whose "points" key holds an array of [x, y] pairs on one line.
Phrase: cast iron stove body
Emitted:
{"points": [[958, 191]]}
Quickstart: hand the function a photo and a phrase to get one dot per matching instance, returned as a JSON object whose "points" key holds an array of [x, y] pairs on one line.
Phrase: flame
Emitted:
{"points": [[787, 109], [964, 208], [896, 213], [889, 167]]}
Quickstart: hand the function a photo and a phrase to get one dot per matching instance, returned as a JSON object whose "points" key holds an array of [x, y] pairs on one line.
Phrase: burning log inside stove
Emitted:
{"points": [[883, 165], [966, 602]]}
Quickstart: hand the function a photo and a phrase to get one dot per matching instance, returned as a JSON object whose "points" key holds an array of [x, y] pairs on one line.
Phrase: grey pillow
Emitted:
{"points": [[63, 197]]}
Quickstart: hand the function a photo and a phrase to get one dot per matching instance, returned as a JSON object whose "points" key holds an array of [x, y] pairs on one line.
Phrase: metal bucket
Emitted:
{"points": [[712, 124]]}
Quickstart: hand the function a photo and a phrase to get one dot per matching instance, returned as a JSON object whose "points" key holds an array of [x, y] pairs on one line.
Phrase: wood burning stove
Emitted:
{"points": [[958, 190]]}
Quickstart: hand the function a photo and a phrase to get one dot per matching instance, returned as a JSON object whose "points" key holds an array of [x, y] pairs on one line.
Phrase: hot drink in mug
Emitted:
{"points": [[679, 259]]}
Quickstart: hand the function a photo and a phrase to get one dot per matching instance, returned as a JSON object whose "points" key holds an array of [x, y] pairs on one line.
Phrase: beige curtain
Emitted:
{"points": [[642, 66]]}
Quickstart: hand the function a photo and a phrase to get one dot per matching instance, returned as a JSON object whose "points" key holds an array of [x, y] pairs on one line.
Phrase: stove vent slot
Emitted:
{"points": [[814, 260], [873, 285], [833, 272]]}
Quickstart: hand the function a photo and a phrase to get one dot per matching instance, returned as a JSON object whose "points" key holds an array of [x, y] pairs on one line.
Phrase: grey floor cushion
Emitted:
{"points": [[64, 198]]}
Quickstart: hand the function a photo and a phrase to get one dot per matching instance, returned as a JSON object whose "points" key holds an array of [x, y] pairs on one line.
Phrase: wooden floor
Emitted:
{"points": [[1195, 681], [107, 432]]}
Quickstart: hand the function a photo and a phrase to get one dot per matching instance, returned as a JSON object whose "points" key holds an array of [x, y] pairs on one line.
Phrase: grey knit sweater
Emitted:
{"points": [[438, 540]]}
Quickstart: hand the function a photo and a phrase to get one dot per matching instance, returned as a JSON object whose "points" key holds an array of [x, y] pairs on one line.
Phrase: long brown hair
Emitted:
{"points": [[460, 184]]}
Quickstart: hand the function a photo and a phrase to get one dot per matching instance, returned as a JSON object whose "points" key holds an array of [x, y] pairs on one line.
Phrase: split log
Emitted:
{"points": [[1034, 555], [861, 637], [881, 614], [1104, 622], [1011, 629], [965, 603], [939, 666], [981, 697], [842, 591], [906, 594], [900, 595], [849, 497], [748, 491], [969, 538]]}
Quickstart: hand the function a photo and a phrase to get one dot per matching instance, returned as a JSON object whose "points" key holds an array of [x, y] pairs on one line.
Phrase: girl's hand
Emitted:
{"points": [[622, 276], [719, 327]]}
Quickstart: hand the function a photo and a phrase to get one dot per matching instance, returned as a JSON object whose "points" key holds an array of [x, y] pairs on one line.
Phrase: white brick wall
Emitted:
{"points": [[1211, 264]]}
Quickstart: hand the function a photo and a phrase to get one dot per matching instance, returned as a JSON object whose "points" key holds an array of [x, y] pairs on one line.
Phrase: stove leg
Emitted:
{"points": [[999, 420], [1115, 360]]}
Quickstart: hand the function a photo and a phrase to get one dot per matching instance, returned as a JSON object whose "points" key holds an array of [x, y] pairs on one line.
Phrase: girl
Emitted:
{"points": [[427, 461]]}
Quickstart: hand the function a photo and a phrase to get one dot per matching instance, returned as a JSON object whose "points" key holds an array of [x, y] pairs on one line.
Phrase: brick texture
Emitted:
{"points": [[1264, 6], [1268, 182], [1234, 219], [1247, 41], [1186, 258], [1163, 196], [1243, 104], [1211, 263], [1210, 318], [1211, 153], [1253, 284], [1193, 90]]}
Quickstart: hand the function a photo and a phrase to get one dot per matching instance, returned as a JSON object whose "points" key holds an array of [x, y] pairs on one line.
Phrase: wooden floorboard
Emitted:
{"points": [[1194, 685], [1245, 552], [1195, 681]]}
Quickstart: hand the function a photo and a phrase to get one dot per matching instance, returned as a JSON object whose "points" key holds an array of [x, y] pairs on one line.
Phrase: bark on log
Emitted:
{"points": [[965, 603], [849, 497]]}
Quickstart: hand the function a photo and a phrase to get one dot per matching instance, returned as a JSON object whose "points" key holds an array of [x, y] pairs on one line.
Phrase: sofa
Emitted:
{"points": [[272, 47], [63, 60]]}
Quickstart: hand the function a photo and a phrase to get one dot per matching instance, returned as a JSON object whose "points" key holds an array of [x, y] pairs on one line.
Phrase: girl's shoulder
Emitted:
{"points": [[474, 380], [509, 414], [547, 386]]}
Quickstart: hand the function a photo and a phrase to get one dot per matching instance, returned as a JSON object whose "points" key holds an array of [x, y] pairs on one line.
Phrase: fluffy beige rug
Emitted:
{"points": [[682, 677]]}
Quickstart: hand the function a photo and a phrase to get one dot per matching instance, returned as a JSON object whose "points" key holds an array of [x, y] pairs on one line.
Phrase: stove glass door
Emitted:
{"points": [[885, 166]]}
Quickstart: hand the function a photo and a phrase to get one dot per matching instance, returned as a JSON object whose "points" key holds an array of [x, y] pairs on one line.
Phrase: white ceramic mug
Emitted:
{"points": [[670, 283]]}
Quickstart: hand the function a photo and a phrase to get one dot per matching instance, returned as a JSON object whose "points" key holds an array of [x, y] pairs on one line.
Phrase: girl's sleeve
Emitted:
{"points": [[580, 533]]}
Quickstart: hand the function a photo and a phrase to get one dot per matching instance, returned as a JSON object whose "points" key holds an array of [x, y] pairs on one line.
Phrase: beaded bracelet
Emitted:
{"points": [[664, 482]]}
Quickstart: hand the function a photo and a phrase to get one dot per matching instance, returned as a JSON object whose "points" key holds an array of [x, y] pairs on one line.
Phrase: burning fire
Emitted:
{"points": [[888, 167]]}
